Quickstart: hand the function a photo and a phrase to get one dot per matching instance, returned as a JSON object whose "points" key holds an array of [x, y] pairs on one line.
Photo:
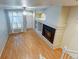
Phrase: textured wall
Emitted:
{"points": [[71, 32], [52, 14], [3, 30], [62, 20]]}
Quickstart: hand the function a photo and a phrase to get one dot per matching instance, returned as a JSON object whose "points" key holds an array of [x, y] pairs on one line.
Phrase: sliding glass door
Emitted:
{"points": [[16, 21]]}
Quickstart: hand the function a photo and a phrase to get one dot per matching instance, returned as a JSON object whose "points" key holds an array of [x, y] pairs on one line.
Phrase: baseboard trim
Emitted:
{"points": [[4, 46]]}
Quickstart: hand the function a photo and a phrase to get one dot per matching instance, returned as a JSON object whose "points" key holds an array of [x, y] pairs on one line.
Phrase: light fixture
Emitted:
{"points": [[25, 8], [25, 12]]}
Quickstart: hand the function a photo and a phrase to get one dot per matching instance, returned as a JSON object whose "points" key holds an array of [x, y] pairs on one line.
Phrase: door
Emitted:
{"points": [[29, 19], [16, 21]]}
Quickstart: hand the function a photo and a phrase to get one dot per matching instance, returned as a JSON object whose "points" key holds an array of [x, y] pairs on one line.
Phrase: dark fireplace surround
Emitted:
{"points": [[48, 32]]}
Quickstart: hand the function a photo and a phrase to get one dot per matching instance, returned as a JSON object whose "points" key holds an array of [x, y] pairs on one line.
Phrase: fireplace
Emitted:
{"points": [[48, 32]]}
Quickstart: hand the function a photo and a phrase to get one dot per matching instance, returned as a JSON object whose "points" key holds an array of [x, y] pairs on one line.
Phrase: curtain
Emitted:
{"points": [[17, 22]]}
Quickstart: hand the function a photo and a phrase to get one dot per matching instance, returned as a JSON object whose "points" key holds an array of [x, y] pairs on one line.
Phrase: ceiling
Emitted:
{"points": [[69, 2], [38, 2]]}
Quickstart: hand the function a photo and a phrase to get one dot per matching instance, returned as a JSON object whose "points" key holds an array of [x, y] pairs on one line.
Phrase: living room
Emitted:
{"points": [[36, 29]]}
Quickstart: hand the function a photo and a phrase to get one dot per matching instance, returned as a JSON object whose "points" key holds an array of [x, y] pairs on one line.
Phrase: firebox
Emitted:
{"points": [[48, 32]]}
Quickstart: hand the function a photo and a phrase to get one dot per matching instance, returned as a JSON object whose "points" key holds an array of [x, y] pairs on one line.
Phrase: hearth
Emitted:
{"points": [[48, 32]]}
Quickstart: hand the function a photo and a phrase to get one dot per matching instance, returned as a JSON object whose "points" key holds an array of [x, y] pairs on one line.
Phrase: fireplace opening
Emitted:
{"points": [[48, 33]]}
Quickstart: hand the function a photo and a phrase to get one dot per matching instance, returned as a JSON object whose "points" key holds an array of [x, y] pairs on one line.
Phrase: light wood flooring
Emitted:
{"points": [[28, 45]]}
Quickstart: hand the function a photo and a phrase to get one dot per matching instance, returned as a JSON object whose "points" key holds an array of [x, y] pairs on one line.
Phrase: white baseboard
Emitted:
{"points": [[72, 53], [4, 44]]}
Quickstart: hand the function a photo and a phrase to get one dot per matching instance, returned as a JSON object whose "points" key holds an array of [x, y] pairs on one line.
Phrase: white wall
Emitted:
{"points": [[62, 21], [3, 30], [52, 14], [71, 32], [52, 17]]}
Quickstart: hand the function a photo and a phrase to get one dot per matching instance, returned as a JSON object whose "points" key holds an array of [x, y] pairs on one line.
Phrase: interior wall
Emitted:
{"points": [[52, 14], [70, 38], [62, 20], [3, 30]]}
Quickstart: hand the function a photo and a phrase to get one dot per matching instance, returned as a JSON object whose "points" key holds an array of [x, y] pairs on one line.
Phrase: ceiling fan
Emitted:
{"points": [[25, 8]]}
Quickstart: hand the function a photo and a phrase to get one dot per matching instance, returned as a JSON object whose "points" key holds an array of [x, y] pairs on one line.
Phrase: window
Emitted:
{"points": [[16, 19]]}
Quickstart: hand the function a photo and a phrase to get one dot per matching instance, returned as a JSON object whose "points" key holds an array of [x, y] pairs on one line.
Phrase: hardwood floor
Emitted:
{"points": [[28, 45]]}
